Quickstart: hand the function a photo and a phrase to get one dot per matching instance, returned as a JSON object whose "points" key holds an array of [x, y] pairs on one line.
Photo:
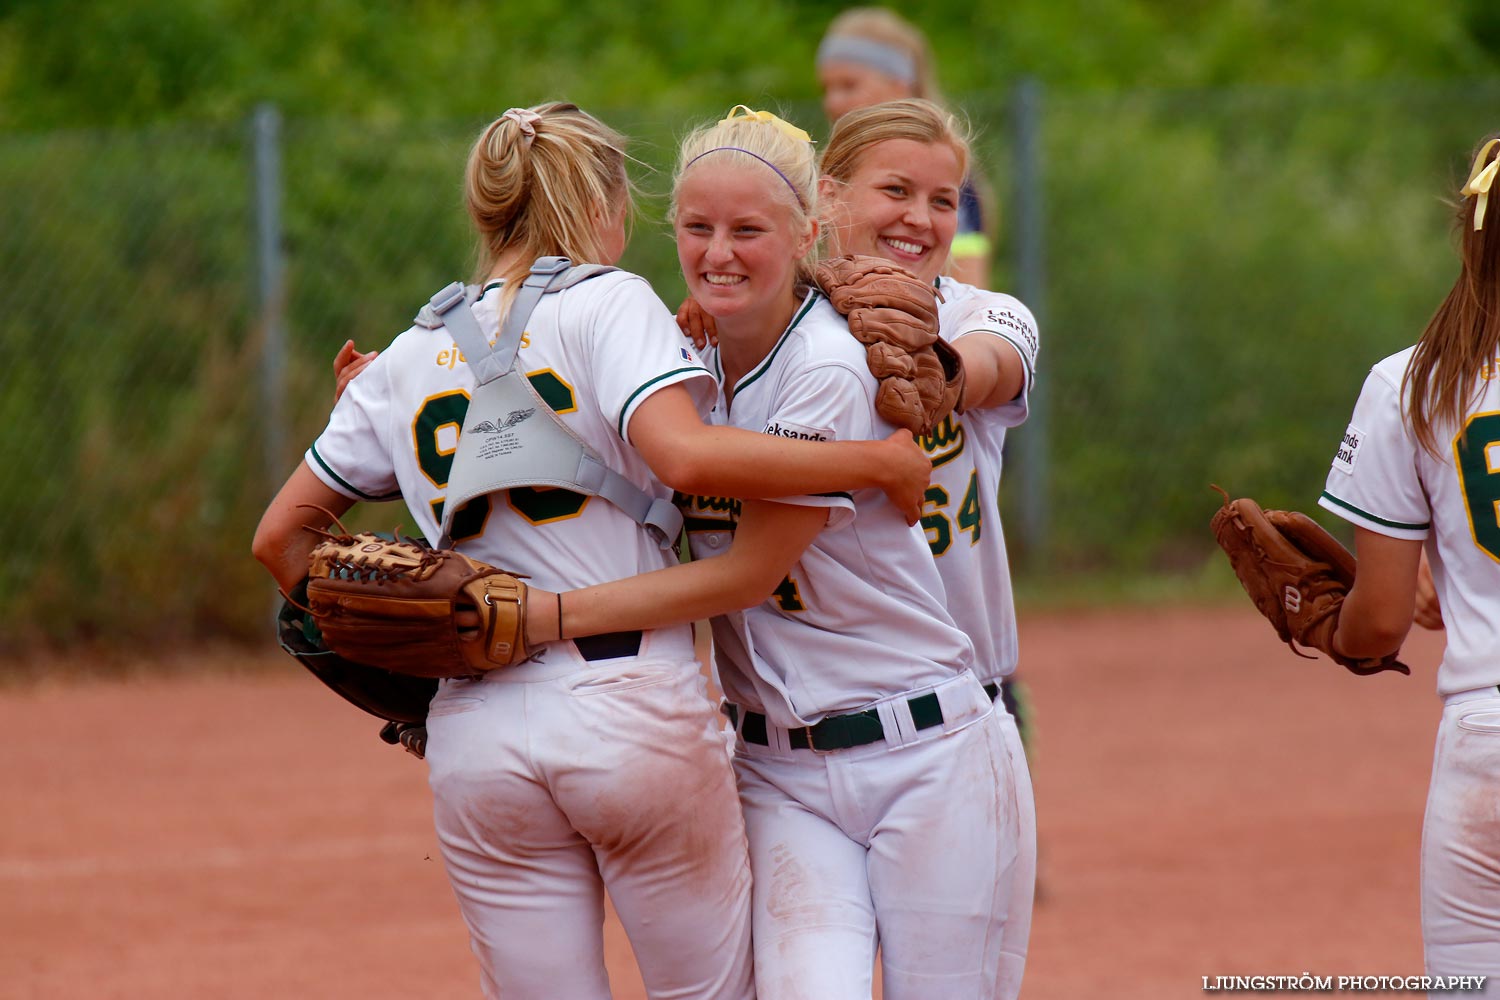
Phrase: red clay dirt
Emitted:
{"points": [[1209, 805]]}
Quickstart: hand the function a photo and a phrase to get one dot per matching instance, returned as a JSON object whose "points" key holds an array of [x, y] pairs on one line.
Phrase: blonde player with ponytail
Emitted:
{"points": [[598, 764], [1419, 467]]}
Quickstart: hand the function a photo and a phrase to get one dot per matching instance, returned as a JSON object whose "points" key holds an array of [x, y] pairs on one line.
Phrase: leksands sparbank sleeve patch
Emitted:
{"points": [[1017, 325], [1348, 451]]}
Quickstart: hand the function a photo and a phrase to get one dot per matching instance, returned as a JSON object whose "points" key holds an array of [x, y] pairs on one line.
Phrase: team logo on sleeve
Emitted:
{"points": [[1006, 320], [1348, 452]]}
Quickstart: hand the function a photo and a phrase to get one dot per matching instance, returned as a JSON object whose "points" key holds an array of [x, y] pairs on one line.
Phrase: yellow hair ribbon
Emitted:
{"points": [[786, 128], [1481, 177]]}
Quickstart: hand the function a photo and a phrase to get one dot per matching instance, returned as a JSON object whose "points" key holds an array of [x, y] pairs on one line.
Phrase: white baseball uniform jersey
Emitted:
{"points": [[962, 514], [1383, 480], [861, 614], [842, 843], [593, 352], [593, 765]]}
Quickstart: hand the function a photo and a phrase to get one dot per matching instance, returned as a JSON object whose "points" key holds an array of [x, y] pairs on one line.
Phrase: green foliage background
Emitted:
{"points": [[1244, 202]]}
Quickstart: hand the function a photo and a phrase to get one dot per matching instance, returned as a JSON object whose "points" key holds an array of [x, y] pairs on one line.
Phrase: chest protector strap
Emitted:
{"points": [[501, 445]]}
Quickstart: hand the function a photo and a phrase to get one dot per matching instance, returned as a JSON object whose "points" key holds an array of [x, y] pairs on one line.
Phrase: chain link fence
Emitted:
{"points": [[1214, 272]]}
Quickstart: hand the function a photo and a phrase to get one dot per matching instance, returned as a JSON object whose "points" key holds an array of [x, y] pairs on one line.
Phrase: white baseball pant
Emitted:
{"points": [[907, 844], [1017, 936], [555, 781], [1461, 843]]}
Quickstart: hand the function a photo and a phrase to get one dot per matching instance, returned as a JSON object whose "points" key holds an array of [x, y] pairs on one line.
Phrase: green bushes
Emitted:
{"points": [[1223, 268]]}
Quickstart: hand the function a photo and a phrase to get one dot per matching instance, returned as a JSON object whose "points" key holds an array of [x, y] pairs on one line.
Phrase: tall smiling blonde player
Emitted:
{"points": [[599, 763], [890, 179], [1419, 467]]}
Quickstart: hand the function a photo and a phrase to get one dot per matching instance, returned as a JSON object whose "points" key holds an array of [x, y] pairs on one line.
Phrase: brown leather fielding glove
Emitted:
{"points": [[1296, 573], [394, 602], [894, 314]]}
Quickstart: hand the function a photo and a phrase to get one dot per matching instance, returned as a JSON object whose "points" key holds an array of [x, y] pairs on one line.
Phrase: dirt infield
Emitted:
{"points": [[1209, 805]]}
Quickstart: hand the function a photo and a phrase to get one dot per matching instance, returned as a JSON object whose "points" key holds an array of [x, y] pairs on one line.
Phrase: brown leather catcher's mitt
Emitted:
{"points": [[393, 602], [894, 314], [1296, 573]]}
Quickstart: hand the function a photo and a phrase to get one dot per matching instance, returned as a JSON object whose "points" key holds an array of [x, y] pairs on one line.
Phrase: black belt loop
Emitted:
{"points": [[609, 645], [992, 689], [925, 711]]}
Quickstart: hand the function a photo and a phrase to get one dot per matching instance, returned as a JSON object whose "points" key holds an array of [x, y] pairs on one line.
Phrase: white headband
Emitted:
{"points": [[879, 56]]}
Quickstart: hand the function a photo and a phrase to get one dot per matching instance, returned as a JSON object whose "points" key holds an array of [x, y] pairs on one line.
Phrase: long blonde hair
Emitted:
{"points": [[878, 24], [537, 182], [771, 143], [1462, 340]]}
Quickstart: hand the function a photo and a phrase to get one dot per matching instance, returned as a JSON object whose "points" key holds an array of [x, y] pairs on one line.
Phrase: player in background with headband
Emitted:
{"points": [[1419, 470], [596, 764]]}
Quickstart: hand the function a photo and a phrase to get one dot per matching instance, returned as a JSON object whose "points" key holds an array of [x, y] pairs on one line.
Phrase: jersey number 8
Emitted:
{"points": [[1476, 453], [539, 505]]}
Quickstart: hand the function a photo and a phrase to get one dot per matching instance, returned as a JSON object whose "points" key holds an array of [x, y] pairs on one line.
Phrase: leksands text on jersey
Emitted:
{"points": [[777, 430]]}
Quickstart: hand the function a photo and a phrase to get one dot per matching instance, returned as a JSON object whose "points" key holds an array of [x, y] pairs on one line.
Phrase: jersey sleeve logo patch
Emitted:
{"points": [[688, 356], [1007, 320], [1348, 452], [778, 429]]}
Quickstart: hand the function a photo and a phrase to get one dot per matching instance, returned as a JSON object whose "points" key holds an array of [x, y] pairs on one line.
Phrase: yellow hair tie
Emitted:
{"points": [[1481, 177], [784, 127]]}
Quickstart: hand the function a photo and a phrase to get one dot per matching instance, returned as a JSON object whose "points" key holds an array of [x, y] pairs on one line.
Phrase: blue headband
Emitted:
{"points": [[802, 204], [878, 56]]}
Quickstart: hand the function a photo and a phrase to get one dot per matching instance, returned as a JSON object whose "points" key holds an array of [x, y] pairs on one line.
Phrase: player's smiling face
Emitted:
{"points": [[901, 204], [737, 238]]}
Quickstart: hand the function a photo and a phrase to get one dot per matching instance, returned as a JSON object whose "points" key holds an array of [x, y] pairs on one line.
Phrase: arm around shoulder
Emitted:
{"points": [[694, 457], [768, 541]]}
